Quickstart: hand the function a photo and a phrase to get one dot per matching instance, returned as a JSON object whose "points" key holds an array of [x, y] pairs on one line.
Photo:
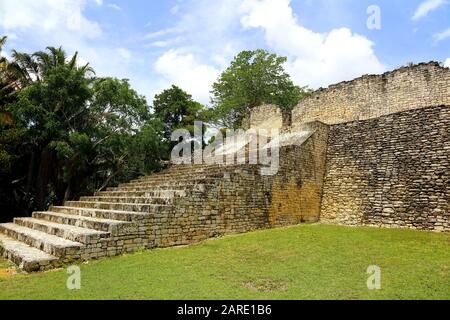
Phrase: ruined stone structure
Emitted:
{"points": [[392, 171], [373, 151], [373, 96]]}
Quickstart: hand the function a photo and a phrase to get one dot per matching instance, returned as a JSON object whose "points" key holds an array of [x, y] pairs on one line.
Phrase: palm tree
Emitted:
{"points": [[28, 68], [31, 69], [6, 79], [2, 59]]}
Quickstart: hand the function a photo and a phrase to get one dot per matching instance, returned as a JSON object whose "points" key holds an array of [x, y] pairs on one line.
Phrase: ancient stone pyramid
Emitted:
{"points": [[374, 151]]}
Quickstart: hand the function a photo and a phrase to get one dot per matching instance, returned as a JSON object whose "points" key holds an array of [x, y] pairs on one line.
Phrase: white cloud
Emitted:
{"points": [[426, 7], [159, 33], [442, 35], [53, 23], [202, 41], [174, 9], [125, 54], [164, 43], [12, 36], [114, 6], [204, 26], [183, 70], [206, 43], [447, 63], [48, 15], [200, 44], [314, 59], [5, 55]]}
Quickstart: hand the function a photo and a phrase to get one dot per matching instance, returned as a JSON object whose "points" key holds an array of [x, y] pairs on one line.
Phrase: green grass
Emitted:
{"points": [[305, 262], [4, 264]]}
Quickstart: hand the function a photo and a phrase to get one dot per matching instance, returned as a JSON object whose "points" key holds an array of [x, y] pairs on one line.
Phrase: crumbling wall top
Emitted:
{"points": [[371, 96]]}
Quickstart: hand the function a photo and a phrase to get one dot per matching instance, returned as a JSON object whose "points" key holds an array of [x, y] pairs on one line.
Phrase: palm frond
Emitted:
{"points": [[87, 69], [73, 62], [3, 41]]}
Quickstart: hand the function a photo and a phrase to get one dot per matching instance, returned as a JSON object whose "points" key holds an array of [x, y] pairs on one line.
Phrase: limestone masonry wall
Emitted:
{"points": [[392, 171], [266, 117], [297, 188], [372, 96], [386, 160], [240, 199]]}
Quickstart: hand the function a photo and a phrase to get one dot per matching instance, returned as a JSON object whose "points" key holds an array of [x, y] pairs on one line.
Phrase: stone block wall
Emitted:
{"points": [[391, 172], [234, 202], [372, 151], [240, 199], [372, 96], [266, 117], [297, 188], [386, 167]]}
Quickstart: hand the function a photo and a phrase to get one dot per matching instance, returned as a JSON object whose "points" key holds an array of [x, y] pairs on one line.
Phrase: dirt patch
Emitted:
{"points": [[266, 285], [6, 273]]}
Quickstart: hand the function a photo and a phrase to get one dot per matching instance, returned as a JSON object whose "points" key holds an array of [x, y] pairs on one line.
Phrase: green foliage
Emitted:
{"points": [[67, 134], [122, 107], [253, 78], [7, 80], [50, 107], [177, 110]]}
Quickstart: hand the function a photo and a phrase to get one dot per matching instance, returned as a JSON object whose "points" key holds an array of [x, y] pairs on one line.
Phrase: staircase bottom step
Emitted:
{"points": [[27, 258]]}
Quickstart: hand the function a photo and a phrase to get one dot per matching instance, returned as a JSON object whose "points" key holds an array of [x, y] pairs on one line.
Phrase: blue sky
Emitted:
{"points": [[189, 42]]}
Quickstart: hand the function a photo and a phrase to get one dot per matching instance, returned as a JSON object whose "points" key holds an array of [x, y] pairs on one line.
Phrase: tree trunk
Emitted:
{"points": [[43, 178], [67, 193], [30, 173]]}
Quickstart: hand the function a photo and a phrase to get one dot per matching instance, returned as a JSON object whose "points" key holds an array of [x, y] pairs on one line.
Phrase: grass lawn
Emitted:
{"points": [[304, 262]]}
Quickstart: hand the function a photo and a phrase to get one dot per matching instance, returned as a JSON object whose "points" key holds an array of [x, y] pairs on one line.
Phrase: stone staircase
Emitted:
{"points": [[118, 220], [179, 206]]}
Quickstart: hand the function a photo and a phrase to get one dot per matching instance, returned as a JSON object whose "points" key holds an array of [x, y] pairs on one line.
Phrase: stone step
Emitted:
{"points": [[137, 200], [146, 194], [189, 168], [102, 214], [177, 176], [180, 192], [155, 188], [114, 227], [24, 256], [176, 181], [183, 184], [144, 208], [201, 168], [65, 231], [53, 245], [184, 176]]}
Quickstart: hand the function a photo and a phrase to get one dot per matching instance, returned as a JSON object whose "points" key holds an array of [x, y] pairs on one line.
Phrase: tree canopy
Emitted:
{"points": [[66, 132], [70, 133], [252, 79], [176, 109]]}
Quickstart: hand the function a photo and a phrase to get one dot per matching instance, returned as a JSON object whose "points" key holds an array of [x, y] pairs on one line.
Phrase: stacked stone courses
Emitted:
{"points": [[372, 96], [390, 172], [374, 151]]}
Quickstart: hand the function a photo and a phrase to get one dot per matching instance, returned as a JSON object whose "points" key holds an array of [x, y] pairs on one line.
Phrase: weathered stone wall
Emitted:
{"points": [[392, 171], [373, 96], [264, 117], [297, 188], [239, 199], [234, 202]]}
